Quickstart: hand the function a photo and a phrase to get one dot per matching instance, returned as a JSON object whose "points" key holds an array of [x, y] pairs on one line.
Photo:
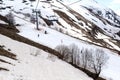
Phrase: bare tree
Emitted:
{"points": [[89, 59], [64, 51], [85, 57], [99, 58], [74, 54]]}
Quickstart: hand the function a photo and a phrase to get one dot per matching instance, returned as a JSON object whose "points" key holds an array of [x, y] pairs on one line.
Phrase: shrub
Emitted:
{"points": [[64, 51]]}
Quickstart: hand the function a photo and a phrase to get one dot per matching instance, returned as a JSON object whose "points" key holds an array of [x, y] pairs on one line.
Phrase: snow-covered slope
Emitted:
{"points": [[54, 38], [35, 64], [79, 19], [97, 10], [57, 20], [33, 55]]}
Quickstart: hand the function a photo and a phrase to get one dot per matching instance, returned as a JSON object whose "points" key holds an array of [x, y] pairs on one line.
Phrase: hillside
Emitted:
{"points": [[31, 50], [79, 20], [33, 64]]}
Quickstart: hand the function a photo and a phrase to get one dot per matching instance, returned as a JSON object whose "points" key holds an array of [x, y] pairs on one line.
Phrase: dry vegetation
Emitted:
{"points": [[7, 54], [5, 61], [3, 69], [88, 60]]}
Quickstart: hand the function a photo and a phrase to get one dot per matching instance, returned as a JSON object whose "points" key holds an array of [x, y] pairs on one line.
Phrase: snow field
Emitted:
{"points": [[35, 64]]}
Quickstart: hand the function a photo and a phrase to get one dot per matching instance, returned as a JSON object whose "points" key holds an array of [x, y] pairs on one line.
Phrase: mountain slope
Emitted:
{"points": [[54, 38], [79, 19], [58, 21], [96, 29], [33, 64]]}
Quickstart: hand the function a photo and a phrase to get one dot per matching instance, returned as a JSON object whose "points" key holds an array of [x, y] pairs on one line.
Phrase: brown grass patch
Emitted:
{"points": [[4, 69], [4, 61], [7, 54]]}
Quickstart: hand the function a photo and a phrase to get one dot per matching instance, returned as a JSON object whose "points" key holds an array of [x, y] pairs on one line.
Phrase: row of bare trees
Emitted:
{"points": [[92, 60]]}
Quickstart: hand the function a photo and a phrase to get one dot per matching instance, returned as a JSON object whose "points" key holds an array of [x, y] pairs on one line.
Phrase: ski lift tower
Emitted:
{"points": [[37, 11]]}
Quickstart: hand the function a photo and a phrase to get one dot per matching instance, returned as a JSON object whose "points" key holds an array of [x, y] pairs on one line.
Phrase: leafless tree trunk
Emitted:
{"points": [[86, 55], [98, 60], [74, 53]]}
